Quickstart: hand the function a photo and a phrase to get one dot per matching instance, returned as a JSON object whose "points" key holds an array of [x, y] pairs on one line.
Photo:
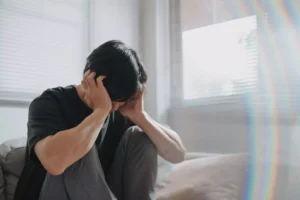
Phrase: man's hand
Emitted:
{"points": [[134, 110], [96, 96]]}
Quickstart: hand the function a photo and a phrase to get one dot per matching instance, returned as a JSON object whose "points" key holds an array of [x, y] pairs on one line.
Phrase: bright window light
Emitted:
{"points": [[220, 59]]}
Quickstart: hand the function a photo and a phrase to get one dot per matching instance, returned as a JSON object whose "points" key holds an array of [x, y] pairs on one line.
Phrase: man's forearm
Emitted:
{"points": [[167, 142], [60, 151]]}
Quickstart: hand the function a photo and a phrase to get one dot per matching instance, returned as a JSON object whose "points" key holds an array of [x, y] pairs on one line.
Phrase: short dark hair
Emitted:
{"points": [[124, 71]]}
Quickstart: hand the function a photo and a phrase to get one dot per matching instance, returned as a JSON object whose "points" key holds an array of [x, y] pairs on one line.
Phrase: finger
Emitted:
{"points": [[86, 81], [87, 73], [91, 80], [84, 84], [100, 80]]}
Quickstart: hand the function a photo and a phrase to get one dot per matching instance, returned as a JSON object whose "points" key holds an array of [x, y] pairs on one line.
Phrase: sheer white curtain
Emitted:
{"points": [[43, 44], [236, 52]]}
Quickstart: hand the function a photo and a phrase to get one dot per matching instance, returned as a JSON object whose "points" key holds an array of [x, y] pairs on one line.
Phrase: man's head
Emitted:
{"points": [[125, 74]]}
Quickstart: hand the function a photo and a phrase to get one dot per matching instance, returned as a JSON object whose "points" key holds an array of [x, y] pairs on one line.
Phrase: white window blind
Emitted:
{"points": [[43, 44], [220, 59], [237, 52]]}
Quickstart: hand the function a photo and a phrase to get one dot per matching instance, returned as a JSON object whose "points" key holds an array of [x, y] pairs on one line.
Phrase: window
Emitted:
{"points": [[220, 59], [43, 44], [236, 54], [219, 50]]}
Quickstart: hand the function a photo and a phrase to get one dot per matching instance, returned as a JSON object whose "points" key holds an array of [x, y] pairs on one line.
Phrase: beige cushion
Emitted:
{"points": [[209, 178], [165, 167]]}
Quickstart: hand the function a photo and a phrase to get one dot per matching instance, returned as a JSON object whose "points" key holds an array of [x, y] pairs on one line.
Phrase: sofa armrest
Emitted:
{"points": [[12, 156]]}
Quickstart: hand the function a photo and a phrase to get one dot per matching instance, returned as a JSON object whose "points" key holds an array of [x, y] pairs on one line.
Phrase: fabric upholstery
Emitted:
{"points": [[208, 178], [1, 185], [12, 156], [165, 167]]}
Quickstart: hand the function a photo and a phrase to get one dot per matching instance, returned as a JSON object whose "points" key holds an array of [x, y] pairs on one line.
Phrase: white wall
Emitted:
{"points": [[294, 173], [116, 19], [13, 120]]}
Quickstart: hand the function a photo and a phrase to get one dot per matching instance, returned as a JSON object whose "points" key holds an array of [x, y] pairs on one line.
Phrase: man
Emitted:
{"points": [[81, 140]]}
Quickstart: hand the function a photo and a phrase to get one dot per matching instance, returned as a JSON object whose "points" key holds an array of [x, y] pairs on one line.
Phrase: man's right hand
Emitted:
{"points": [[96, 96]]}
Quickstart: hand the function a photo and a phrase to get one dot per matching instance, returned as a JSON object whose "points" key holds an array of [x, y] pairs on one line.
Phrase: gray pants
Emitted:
{"points": [[132, 175]]}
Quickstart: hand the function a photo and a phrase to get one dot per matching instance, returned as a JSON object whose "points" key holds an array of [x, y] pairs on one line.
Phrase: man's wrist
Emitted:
{"points": [[101, 113], [139, 118]]}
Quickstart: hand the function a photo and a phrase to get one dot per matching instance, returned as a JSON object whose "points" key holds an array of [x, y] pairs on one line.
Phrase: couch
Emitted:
{"points": [[200, 177]]}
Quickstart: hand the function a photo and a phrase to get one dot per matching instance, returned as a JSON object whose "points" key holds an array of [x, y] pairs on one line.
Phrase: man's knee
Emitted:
{"points": [[137, 137]]}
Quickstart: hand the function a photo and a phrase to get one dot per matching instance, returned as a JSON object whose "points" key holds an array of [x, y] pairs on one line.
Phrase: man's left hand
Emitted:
{"points": [[134, 110]]}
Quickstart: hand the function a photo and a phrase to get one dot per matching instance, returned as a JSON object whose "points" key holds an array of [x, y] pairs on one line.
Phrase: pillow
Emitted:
{"points": [[210, 178], [165, 167]]}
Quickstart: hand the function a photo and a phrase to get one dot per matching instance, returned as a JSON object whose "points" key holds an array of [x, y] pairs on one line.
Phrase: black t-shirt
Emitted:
{"points": [[55, 110]]}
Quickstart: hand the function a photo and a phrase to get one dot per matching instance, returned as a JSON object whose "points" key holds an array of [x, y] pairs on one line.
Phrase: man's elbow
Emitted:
{"points": [[51, 163], [55, 171], [54, 168]]}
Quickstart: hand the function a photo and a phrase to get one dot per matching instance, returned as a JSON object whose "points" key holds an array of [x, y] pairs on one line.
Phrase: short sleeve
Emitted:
{"points": [[44, 119]]}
